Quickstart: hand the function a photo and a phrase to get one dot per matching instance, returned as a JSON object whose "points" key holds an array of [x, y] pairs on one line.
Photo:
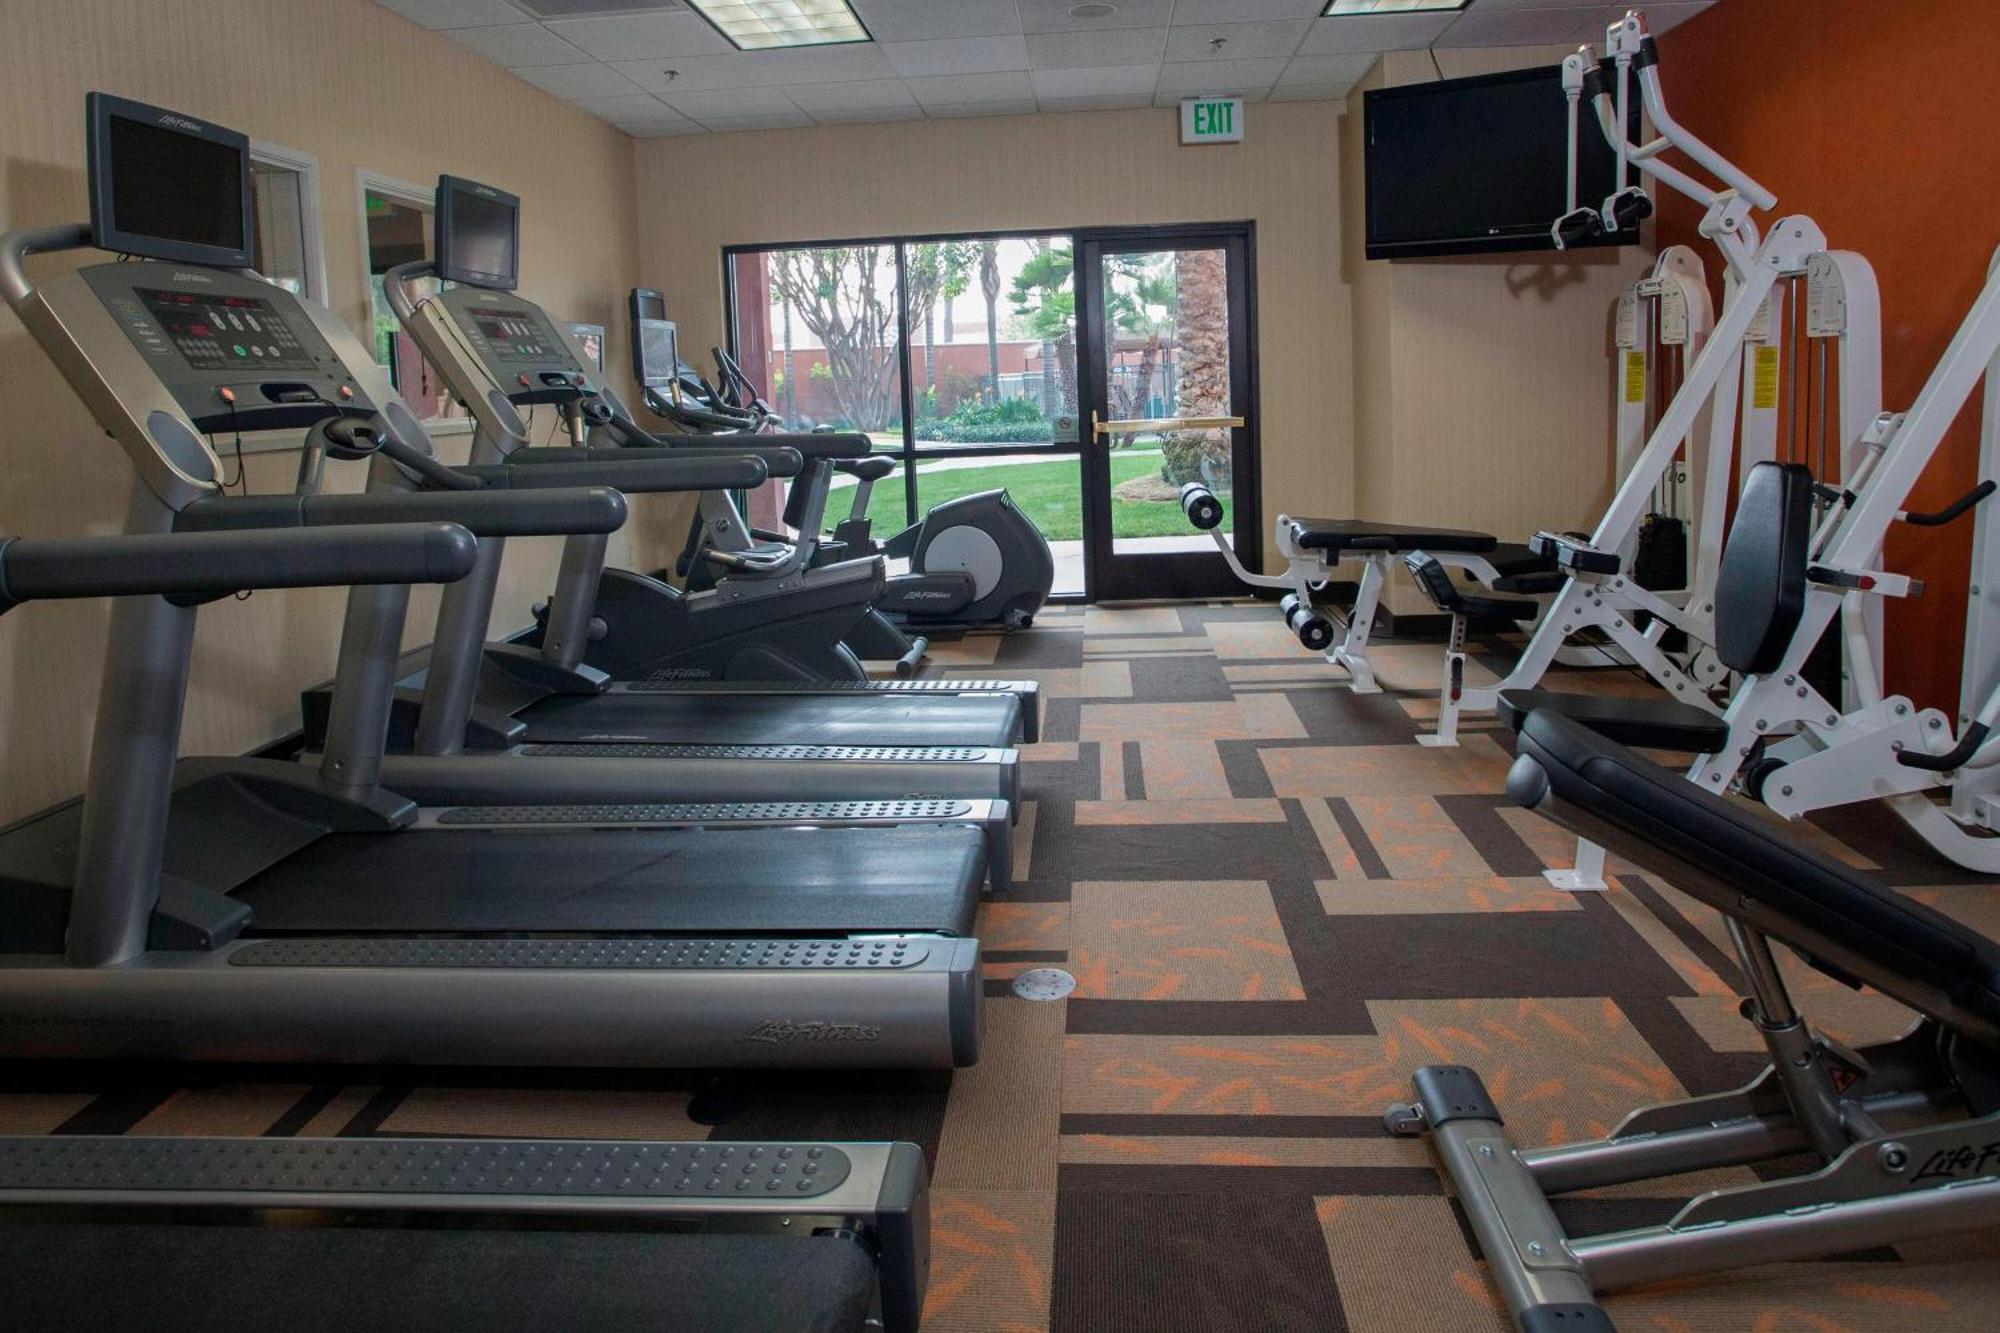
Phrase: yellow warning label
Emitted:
{"points": [[1635, 377], [1764, 384]]}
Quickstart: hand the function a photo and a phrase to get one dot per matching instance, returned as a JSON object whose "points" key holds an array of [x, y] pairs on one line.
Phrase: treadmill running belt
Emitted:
{"points": [[249, 1279], [776, 719], [645, 881]]}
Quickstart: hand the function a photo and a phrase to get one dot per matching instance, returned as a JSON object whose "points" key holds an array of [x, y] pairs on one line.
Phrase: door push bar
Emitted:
{"points": [[1131, 425]]}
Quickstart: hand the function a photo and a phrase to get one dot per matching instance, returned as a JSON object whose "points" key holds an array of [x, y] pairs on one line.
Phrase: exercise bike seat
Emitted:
{"points": [[1843, 923], [1338, 535], [873, 468], [1649, 724]]}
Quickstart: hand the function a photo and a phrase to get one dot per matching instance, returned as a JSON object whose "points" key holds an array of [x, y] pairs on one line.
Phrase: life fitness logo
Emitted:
{"points": [[183, 276], [174, 122]]}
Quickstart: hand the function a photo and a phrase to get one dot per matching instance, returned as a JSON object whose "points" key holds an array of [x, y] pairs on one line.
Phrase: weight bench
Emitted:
{"points": [[1905, 1135], [1312, 547]]}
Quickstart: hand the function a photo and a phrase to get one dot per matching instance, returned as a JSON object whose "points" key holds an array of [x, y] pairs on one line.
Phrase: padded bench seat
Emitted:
{"points": [[1448, 596], [1890, 942], [1524, 571], [1510, 558], [1337, 535], [1650, 724]]}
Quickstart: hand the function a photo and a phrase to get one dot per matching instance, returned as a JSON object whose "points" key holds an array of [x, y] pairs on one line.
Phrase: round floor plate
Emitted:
{"points": [[1044, 983]]}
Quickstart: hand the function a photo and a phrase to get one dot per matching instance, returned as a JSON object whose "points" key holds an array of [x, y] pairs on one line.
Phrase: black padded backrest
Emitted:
{"points": [[795, 497], [1807, 900], [1760, 587], [1433, 581]]}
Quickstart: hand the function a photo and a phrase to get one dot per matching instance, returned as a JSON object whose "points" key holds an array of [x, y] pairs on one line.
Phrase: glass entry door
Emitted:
{"points": [[1164, 331]]}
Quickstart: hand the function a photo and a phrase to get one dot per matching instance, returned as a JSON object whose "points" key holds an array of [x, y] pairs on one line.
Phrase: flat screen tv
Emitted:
{"points": [[1475, 166]]}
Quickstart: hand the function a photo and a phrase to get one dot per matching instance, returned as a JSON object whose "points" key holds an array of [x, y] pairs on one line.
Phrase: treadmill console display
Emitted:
{"points": [[235, 352], [519, 347], [659, 352], [512, 335], [213, 332]]}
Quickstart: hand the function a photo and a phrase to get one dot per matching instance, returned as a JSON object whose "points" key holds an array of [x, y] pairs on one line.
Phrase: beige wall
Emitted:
{"points": [[1472, 392], [1469, 392], [701, 193], [360, 88], [1482, 383]]}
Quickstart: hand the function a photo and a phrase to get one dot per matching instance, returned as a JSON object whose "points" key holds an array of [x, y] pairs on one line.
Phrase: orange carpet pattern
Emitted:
{"points": [[1275, 906]]}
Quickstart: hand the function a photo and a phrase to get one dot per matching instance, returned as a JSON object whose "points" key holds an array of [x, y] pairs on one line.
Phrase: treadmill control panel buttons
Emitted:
{"points": [[80, 1165], [215, 331], [513, 336]]}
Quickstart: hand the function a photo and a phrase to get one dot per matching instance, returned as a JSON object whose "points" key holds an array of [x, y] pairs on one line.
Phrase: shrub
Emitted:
{"points": [[1008, 420], [995, 433], [1183, 452]]}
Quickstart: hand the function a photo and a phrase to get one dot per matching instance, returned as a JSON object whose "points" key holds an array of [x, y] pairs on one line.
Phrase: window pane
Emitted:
{"points": [[278, 248], [1166, 342], [1047, 488], [993, 332], [816, 334], [398, 232]]}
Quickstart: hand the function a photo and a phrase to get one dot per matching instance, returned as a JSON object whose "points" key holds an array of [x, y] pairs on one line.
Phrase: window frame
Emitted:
{"points": [[312, 232], [909, 455], [313, 236]]}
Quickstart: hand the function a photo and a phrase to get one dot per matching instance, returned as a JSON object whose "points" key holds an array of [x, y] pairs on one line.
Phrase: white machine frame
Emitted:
{"points": [[1309, 571], [1834, 756]]}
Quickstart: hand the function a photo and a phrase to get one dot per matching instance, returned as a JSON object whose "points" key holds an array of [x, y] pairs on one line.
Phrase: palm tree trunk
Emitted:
{"points": [[989, 286], [930, 347], [790, 400], [1201, 326]]}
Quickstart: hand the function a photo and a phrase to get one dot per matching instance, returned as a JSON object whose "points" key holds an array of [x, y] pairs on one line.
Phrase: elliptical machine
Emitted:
{"points": [[974, 561]]}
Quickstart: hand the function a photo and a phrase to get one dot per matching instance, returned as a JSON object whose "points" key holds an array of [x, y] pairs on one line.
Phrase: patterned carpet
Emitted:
{"points": [[1275, 906]]}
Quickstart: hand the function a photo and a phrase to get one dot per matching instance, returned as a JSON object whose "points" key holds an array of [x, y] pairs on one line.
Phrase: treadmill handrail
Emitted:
{"points": [[486, 513], [16, 246], [215, 564], [778, 460], [644, 476]]}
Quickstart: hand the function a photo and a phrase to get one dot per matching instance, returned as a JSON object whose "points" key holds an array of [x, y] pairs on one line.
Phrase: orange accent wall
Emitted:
{"points": [[1880, 121]]}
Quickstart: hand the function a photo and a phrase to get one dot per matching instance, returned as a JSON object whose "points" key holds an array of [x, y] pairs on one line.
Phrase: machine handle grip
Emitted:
{"points": [[778, 461], [642, 476], [821, 444], [689, 414], [486, 513], [1956, 757], [1938, 518], [215, 564]]}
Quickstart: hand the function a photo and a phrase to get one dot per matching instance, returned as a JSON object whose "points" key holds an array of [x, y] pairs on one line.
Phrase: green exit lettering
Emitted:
{"points": [[1212, 120]]}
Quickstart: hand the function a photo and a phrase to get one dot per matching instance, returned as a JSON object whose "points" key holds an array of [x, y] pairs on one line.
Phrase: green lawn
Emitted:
{"points": [[1048, 493]]}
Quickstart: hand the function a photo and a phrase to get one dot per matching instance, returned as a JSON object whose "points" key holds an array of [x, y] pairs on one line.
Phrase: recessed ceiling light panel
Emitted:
{"points": [[761, 25], [1362, 8]]}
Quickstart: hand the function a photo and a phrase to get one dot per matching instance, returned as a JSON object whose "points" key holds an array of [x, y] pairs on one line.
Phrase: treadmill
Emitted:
{"points": [[510, 1234], [499, 351], [251, 909]]}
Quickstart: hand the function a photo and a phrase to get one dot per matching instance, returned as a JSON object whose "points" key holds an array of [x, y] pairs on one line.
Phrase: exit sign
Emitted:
{"points": [[1211, 120]]}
